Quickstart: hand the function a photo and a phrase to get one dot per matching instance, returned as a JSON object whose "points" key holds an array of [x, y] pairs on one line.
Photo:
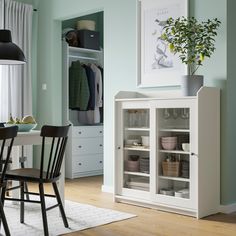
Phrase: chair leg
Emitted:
{"points": [[26, 190], [22, 165], [3, 192], [43, 208], [22, 204], [4, 221], [60, 205]]}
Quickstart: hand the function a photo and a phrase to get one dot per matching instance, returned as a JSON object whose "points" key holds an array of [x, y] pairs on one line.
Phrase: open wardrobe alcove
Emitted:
{"points": [[82, 94]]}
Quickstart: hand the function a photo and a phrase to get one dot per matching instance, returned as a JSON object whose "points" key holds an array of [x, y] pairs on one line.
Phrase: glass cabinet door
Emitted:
{"points": [[136, 149], [175, 167]]}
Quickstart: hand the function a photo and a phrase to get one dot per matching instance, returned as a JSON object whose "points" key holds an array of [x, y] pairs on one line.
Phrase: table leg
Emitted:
{"points": [[16, 153]]}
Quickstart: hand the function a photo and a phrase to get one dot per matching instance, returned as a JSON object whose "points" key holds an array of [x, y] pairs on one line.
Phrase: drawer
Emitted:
{"points": [[87, 163], [83, 146], [87, 131]]}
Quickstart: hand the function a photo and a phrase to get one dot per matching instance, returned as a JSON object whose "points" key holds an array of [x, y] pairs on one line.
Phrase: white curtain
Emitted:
{"points": [[15, 81]]}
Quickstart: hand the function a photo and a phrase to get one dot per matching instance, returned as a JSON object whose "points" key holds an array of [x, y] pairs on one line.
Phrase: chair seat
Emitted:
{"points": [[28, 175]]}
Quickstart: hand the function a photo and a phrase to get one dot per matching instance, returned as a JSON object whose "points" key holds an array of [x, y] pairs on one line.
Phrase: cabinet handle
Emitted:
{"points": [[193, 154], [80, 146], [80, 164], [100, 162], [80, 132], [100, 132], [118, 148], [100, 145]]}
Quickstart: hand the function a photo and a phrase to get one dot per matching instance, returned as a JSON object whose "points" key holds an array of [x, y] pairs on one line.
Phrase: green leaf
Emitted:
{"points": [[190, 39]]}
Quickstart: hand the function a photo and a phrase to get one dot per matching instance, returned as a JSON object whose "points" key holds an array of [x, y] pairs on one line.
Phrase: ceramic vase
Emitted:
{"points": [[190, 84]]}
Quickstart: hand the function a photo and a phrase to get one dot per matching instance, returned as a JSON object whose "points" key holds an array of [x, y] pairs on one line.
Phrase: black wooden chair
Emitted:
{"points": [[7, 136], [49, 172], [22, 160]]}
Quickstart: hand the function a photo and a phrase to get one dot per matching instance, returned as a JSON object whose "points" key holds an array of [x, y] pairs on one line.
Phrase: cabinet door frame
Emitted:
{"points": [[170, 201], [120, 190]]}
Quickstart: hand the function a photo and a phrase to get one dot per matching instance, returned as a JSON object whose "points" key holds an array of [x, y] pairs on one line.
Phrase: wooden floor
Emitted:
{"points": [[148, 222]]}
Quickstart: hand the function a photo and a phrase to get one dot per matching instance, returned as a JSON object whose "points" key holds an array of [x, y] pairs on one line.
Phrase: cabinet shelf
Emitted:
{"points": [[175, 130], [144, 149], [137, 173], [174, 151], [137, 129], [175, 178]]}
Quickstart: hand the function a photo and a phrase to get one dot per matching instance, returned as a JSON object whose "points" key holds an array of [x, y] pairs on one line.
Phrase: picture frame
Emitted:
{"points": [[157, 66]]}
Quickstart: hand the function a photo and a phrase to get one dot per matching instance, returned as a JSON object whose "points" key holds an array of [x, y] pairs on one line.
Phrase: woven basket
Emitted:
{"points": [[171, 168]]}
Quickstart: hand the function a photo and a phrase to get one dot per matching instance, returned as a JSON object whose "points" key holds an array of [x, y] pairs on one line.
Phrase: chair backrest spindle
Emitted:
{"points": [[7, 136], [55, 158]]}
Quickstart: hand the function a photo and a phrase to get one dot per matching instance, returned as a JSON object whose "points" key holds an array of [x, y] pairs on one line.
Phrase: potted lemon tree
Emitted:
{"points": [[192, 41]]}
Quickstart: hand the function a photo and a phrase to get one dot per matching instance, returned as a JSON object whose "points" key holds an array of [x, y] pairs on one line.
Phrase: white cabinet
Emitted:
{"points": [[84, 153], [179, 170]]}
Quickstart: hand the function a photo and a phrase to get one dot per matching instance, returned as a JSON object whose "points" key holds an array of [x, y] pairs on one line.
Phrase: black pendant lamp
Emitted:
{"points": [[10, 53]]}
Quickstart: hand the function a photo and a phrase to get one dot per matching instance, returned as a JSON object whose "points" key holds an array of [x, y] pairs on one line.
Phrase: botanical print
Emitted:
{"points": [[158, 55]]}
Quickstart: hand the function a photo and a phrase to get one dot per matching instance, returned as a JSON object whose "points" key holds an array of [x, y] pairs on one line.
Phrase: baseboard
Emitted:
{"points": [[107, 189], [227, 209]]}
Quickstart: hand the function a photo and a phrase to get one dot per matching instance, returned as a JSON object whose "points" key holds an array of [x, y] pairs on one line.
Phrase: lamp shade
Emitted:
{"points": [[10, 53]]}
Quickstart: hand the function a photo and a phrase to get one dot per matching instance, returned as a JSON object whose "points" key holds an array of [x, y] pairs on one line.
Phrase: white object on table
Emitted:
{"points": [[31, 138]]}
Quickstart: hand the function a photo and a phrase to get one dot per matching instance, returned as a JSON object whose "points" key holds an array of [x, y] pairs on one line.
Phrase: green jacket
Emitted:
{"points": [[78, 87]]}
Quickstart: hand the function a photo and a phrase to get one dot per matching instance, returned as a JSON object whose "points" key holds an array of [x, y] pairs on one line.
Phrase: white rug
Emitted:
{"points": [[80, 216]]}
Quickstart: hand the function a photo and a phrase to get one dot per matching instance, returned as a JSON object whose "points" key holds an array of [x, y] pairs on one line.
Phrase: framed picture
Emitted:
{"points": [[157, 65]]}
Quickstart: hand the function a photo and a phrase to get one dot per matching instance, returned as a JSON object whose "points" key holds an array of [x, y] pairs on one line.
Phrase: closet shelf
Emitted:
{"points": [[83, 57], [83, 50]]}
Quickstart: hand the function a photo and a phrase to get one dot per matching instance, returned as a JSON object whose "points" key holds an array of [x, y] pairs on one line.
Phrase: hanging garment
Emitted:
{"points": [[101, 108], [91, 84], [93, 116], [78, 87], [98, 85], [89, 117]]}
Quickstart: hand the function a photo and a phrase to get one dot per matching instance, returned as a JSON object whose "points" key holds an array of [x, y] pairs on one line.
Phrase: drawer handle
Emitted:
{"points": [[80, 132], [79, 146], [100, 132], [100, 145], [80, 164], [100, 162]]}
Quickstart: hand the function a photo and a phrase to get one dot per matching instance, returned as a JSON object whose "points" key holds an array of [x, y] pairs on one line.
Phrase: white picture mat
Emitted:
{"points": [[156, 70]]}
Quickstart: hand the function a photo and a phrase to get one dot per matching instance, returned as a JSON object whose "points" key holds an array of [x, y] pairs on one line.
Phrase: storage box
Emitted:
{"points": [[88, 39], [86, 25], [171, 168]]}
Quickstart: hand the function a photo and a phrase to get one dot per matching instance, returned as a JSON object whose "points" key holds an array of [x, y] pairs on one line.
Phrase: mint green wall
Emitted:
{"points": [[215, 71], [228, 167], [120, 57]]}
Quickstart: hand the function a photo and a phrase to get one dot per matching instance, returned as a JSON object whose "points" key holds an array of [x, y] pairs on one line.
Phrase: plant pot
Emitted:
{"points": [[190, 84]]}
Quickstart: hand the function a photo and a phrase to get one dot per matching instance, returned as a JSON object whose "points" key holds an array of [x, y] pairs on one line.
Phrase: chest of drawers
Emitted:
{"points": [[84, 156]]}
